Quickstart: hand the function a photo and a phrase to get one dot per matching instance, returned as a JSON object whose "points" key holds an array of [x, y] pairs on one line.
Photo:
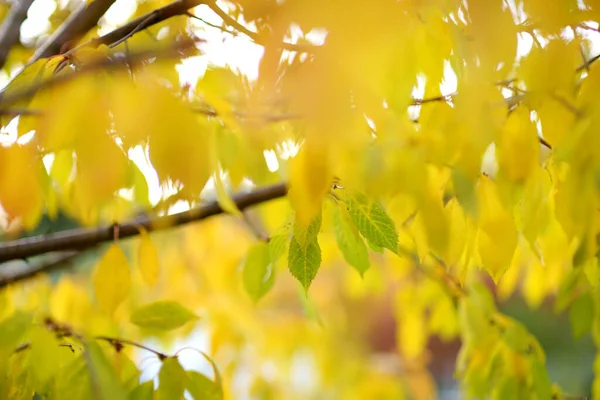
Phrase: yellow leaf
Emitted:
{"points": [[112, 279], [148, 260], [498, 233], [71, 302], [20, 184], [62, 167], [69, 113], [310, 180], [518, 147]]}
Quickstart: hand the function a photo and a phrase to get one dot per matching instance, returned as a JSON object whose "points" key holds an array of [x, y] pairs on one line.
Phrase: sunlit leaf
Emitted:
{"points": [[304, 254], [373, 222], [277, 245], [200, 387], [102, 374], [172, 380], [258, 271], [144, 391], [112, 279], [162, 315], [349, 241]]}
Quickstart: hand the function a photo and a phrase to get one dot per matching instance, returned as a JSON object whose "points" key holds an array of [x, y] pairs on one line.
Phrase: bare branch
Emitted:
{"points": [[76, 25], [11, 28], [81, 239]]}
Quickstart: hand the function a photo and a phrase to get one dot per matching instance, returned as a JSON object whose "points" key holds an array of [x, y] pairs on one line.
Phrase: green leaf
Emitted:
{"points": [[258, 272], [144, 391], [12, 330], [474, 313], [349, 241], [202, 388], [127, 372], [542, 386], [507, 388], [103, 375], [516, 336], [45, 355], [373, 222], [172, 380], [304, 235], [304, 260], [581, 314], [162, 315], [73, 381], [565, 291], [277, 244], [304, 254]]}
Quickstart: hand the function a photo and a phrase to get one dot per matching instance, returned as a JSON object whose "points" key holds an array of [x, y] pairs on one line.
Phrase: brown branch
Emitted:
{"points": [[118, 345], [75, 26], [25, 270], [243, 115], [11, 28], [222, 29], [174, 9], [447, 97], [81, 239]]}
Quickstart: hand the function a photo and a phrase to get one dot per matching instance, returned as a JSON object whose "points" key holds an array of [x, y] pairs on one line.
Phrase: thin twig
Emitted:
{"points": [[83, 238], [193, 16], [447, 97], [243, 115], [117, 343], [145, 23]]}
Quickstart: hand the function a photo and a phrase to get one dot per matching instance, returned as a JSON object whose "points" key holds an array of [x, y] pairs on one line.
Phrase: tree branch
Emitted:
{"points": [[176, 8], [11, 28], [20, 271], [81, 239], [75, 26]]}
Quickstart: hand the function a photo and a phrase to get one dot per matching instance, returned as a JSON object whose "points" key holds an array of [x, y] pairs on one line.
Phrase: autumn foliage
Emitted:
{"points": [[232, 236]]}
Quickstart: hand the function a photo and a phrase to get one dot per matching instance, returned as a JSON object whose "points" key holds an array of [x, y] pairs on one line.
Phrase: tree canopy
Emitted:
{"points": [[400, 168]]}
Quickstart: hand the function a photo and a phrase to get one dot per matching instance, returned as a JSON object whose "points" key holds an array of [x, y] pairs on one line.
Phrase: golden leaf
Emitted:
{"points": [[112, 279], [20, 185]]}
